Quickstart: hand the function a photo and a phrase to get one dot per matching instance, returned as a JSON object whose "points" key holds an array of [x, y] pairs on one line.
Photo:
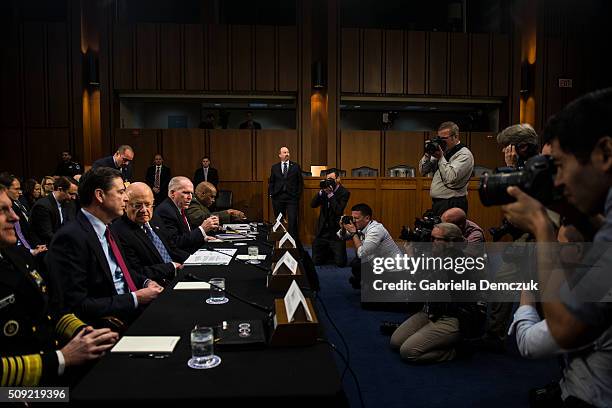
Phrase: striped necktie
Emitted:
{"points": [[157, 243]]}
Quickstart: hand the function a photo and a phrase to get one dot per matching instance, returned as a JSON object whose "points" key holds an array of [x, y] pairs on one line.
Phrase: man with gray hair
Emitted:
{"points": [[121, 160], [451, 166], [520, 142], [171, 213]]}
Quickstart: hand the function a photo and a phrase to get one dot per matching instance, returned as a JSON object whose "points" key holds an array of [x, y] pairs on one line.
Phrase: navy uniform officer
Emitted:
{"points": [[31, 329]]}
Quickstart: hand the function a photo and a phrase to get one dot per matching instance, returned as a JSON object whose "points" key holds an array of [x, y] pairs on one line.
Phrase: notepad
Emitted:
{"points": [[146, 344], [247, 257], [192, 286]]}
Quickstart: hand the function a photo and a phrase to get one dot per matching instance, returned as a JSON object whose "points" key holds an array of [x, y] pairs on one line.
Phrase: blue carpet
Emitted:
{"points": [[482, 380]]}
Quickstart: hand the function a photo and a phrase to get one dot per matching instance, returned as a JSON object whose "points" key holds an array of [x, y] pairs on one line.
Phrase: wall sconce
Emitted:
{"points": [[319, 80], [91, 71]]}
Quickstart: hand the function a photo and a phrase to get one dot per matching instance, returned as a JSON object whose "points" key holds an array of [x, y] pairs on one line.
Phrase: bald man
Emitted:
{"points": [[198, 211], [171, 214], [285, 187], [471, 231], [148, 249]]}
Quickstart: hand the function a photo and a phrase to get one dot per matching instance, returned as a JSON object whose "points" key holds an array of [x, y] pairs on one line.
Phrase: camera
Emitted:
{"points": [[346, 219], [330, 182], [536, 179], [432, 146], [504, 229], [422, 229]]}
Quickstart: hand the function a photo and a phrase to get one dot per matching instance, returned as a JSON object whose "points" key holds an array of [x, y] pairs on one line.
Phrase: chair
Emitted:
{"points": [[480, 170], [324, 173], [364, 171], [402, 170], [224, 200]]}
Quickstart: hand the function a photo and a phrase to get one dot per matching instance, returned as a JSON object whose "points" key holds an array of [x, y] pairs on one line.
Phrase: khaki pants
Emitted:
{"points": [[421, 340]]}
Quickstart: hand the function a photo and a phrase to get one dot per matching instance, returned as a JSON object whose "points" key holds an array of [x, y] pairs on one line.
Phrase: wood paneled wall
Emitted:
{"points": [[424, 63], [384, 149], [242, 157], [37, 102], [196, 57]]}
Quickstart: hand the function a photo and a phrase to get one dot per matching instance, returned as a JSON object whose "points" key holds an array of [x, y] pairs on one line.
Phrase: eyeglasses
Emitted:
{"points": [[138, 206]]}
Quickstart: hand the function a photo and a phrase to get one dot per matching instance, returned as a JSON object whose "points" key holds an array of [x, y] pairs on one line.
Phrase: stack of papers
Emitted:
{"points": [[234, 237], [192, 286], [248, 257], [238, 227], [204, 257]]}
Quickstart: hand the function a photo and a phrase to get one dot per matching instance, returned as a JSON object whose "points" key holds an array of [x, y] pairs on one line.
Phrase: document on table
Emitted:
{"points": [[205, 257], [146, 344], [234, 237], [248, 257], [192, 286], [238, 227]]}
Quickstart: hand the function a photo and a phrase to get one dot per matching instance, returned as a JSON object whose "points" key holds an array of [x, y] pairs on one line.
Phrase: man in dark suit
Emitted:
{"points": [[121, 160], [89, 259], [146, 247], [332, 199], [31, 318], [158, 176], [53, 211], [206, 173], [67, 167], [171, 214], [285, 188], [22, 226]]}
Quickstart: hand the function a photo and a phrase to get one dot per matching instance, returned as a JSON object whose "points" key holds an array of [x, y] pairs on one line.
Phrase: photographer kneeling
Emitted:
{"points": [[581, 136], [332, 198], [370, 238], [430, 336], [451, 163]]}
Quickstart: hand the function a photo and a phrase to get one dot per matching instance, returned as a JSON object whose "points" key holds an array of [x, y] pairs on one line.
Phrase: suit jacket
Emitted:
{"points": [[32, 321], [77, 258], [213, 176], [141, 254], [45, 219], [108, 161], [198, 212], [292, 184], [164, 179], [24, 221], [168, 215], [331, 211]]}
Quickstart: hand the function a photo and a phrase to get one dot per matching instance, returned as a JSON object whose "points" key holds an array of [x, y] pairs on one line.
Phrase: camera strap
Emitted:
{"points": [[448, 155]]}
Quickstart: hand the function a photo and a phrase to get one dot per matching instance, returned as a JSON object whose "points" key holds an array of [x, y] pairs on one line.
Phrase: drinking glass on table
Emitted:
{"points": [[217, 292], [202, 348], [253, 252]]}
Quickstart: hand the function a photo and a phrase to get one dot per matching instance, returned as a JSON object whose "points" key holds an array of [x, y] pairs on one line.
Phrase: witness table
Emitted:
{"points": [[274, 376]]}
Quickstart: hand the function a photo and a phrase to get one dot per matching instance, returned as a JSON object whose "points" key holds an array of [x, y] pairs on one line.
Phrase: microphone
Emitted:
{"points": [[257, 306]]}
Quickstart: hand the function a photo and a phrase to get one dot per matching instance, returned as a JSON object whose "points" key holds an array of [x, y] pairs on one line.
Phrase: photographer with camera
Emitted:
{"points": [[581, 136], [371, 239], [430, 335], [519, 142], [332, 198], [451, 164], [470, 230]]}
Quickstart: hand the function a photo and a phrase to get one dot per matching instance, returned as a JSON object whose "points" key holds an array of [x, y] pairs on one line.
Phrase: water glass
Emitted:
{"points": [[217, 292], [253, 253], [202, 349]]}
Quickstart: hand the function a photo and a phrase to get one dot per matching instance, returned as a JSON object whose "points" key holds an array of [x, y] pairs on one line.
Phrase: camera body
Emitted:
{"points": [[328, 182], [346, 219], [536, 179], [422, 229], [432, 146]]}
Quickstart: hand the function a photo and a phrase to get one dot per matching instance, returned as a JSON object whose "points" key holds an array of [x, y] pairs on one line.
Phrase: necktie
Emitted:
{"points": [[117, 254], [159, 245], [157, 177], [284, 168], [206, 174], [24, 212], [21, 237], [185, 219]]}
